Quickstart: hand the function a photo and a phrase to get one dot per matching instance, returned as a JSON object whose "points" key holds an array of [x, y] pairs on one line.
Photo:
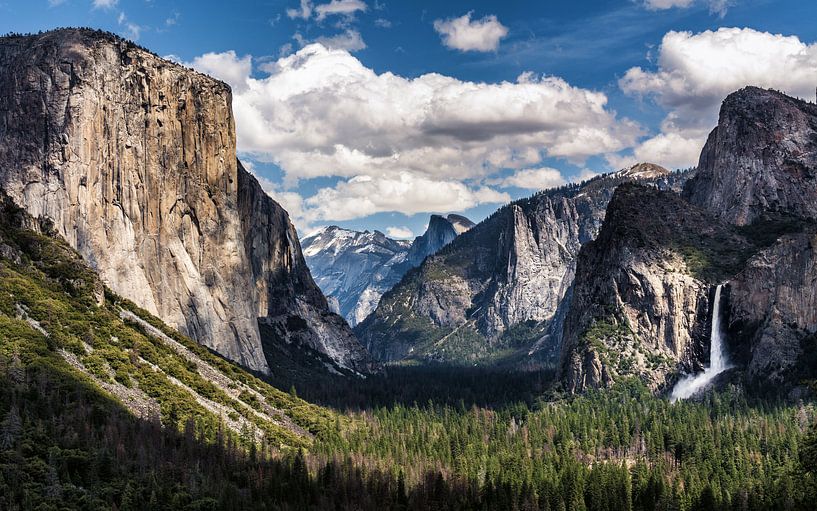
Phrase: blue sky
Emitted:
{"points": [[373, 114]]}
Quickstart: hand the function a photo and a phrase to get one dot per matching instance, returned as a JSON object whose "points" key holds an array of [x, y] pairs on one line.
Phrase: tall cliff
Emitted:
{"points": [[495, 288], [133, 160], [761, 159], [773, 311], [641, 298]]}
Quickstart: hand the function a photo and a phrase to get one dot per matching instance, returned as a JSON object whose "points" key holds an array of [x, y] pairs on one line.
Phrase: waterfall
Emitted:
{"points": [[718, 362]]}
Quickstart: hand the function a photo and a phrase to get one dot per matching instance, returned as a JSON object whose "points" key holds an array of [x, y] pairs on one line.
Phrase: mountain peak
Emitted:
{"points": [[643, 170], [760, 160]]}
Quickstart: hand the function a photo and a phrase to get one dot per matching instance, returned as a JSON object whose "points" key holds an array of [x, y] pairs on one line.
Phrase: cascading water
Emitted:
{"points": [[718, 362]]}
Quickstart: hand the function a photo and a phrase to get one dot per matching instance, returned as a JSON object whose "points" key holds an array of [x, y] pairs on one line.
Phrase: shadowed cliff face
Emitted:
{"points": [[133, 158], [761, 159], [641, 303], [773, 311], [288, 302]]}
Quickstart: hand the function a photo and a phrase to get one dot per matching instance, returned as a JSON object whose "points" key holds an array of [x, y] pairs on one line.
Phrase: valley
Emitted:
{"points": [[641, 339]]}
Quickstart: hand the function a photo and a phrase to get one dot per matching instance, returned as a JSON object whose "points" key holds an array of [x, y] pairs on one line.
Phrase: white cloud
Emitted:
{"points": [[132, 30], [405, 192], [225, 66], [105, 4], [345, 8], [303, 12], [350, 40], [534, 179], [400, 233], [409, 145], [383, 23], [697, 71], [466, 35], [657, 5], [339, 7], [718, 7], [670, 150]]}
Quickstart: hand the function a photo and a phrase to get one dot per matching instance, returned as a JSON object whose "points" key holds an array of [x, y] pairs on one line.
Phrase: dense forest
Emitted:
{"points": [[64, 445]]}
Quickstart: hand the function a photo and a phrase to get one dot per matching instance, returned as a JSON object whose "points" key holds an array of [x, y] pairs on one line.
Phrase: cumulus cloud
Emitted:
{"points": [[534, 179], [405, 144], [400, 233], [349, 40], [696, 72], [405, 192], [466, 35], [227, 67]]}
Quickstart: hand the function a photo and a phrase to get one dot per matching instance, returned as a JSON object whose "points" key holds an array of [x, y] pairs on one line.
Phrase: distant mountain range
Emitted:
{"points": [[354, 268]]}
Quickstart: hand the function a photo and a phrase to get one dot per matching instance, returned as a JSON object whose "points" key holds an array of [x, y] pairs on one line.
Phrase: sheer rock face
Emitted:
{"points": [[638, 308], [440, 232], [646, 281], [514, 268], [761, 158], [773, 308], [133, 159]]}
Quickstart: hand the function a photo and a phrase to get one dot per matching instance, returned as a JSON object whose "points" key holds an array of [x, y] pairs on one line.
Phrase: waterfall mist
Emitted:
{"points": [[718, 361]]}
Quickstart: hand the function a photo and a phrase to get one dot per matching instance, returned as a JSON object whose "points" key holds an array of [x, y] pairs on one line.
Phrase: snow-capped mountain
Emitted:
{"points": [[354, 269]]}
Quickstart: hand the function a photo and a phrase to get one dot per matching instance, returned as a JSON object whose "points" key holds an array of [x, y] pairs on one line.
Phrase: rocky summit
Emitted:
{"points": [[133, 160], [760, 160]]}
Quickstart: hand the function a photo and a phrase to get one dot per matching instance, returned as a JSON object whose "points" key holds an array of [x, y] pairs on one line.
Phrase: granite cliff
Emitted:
{"points": [[643, 296], [761, 159], [133, 160]]}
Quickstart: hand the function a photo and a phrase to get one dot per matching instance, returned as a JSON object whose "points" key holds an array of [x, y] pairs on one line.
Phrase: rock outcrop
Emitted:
{"points": [[640, 303], [133, 159], [761, 159], [498, 285], [440, 232], [641, 298]]}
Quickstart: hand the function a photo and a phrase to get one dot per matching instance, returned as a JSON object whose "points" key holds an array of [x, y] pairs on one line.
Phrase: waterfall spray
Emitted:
{"points": [[718, 361]]}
